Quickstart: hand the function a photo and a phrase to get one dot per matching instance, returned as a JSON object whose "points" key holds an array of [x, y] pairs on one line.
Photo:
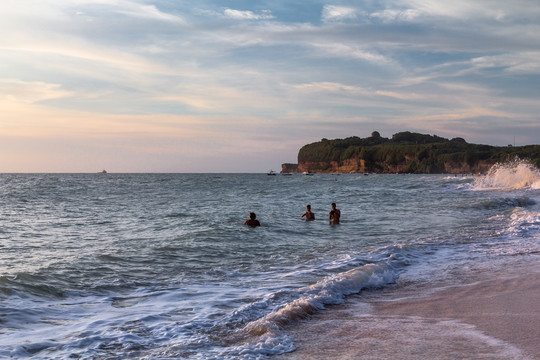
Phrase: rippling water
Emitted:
{"points": [[111, 266]]}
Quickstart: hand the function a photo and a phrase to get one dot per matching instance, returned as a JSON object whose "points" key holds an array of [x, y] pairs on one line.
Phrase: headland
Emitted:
{"points": [[405, 152]]}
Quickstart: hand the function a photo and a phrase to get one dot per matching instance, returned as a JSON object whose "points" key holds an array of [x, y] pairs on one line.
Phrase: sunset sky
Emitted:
{"points": [[240, 86]]}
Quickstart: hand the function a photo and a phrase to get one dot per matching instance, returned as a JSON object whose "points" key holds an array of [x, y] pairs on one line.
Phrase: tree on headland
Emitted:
{"points": [[408, 152]]}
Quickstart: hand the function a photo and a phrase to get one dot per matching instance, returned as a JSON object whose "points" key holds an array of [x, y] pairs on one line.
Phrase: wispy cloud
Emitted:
{"points": [[145, 11], [463, 115], [344, 50], [332, 13], [400, 95], [525, 62], [18, 91], [331, 87], [391, 15], [461, 10], [248, 15]]}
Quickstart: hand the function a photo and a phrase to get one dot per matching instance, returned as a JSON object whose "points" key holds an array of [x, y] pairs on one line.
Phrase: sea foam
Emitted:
{"points": [[329, 291], [511, 175]]}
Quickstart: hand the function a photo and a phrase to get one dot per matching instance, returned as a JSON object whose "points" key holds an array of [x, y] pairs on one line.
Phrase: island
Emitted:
{"points": [[405, 152]]}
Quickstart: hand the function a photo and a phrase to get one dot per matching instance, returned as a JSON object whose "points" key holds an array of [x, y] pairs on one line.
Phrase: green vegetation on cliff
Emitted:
{"points": [[410, 153]]}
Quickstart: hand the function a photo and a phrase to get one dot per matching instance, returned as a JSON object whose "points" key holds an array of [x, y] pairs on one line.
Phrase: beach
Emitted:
{"points": [[490, 316]]}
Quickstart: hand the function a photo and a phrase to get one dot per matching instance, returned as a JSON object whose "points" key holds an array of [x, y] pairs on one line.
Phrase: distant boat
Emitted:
{"points": [[272, 172], [103, 172], [307, 173]]}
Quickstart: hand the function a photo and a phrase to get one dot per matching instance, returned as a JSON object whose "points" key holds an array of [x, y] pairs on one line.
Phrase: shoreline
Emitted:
{"points": [[494, 316]]}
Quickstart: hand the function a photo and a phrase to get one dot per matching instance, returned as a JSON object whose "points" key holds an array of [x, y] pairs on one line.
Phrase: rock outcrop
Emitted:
{"points": [[406, 152], [289, 168]]}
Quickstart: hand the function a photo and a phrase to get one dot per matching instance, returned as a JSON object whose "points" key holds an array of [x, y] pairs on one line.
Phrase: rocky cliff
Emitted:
{"points": [[405, 152]]}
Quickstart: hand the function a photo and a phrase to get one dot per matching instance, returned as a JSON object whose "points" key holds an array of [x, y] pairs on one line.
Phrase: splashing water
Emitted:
{"points": [[511, 175]]}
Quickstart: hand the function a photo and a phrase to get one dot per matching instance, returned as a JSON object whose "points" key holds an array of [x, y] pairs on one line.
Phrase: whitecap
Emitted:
{"points": [[511, 175]]}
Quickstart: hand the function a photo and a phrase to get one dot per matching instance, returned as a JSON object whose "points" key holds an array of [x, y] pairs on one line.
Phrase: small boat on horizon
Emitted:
{"points": [[102, 171], [271, 172]]}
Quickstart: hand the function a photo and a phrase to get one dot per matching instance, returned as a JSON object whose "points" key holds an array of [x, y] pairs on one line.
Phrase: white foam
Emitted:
{"points": [[329, 291], [511, 175], [524, 221]]}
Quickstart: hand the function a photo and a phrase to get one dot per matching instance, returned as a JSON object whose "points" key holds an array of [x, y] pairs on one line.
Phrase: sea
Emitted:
{"points": [[160, 266]]}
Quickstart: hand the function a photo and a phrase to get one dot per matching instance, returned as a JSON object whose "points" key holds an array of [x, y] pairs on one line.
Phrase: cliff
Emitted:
{"points": [[289, 168], [405, 152]]}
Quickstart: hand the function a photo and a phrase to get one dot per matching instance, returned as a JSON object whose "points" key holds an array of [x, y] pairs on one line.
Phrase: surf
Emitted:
{"points": [[330, 291], [511, 175]]}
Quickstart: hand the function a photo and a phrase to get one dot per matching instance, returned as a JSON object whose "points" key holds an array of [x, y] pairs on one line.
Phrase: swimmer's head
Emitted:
{"points": [[252, 216]]}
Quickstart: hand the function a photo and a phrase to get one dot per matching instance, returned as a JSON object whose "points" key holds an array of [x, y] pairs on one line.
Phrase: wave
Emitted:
{"points": [[524, 222], [259, 328], [506, 202], [177, 215], [24, 284], [265, 336], [330, 291], [511, 175]]}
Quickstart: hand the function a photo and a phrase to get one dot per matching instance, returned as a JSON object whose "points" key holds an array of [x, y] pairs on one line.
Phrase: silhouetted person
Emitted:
{"points": [[252, 221], [308, 214], [334, 214]]}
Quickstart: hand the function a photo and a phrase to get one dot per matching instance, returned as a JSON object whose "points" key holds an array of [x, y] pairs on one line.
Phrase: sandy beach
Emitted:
{"points": [[496, 316]]}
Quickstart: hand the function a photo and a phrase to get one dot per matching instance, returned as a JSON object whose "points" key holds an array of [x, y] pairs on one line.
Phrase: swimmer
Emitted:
{"points": [[252, 221], [334, 214], [308, 214]]}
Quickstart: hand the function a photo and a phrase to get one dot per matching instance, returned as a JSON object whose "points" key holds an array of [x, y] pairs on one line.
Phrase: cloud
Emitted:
{"points": [[46, 11], [147, 12], [223, 99], [34, 120], [248, 15], [525, 62], [456, 8], [391, 15], [18, 91], [128, 8], [460, 10], [344, 50], [338, 13], [400, 96], [463, 114], [327, 86]]}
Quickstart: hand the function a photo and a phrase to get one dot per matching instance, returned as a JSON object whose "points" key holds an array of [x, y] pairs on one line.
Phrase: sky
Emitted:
{"points": [[241, 86]]}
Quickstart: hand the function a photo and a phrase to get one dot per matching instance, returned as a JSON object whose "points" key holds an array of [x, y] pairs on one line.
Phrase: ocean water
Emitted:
{"points": [[160, 266]]}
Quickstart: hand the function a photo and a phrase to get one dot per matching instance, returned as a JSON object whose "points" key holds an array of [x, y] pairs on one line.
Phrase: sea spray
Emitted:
{"points": [[511, 175], [512, 187]]}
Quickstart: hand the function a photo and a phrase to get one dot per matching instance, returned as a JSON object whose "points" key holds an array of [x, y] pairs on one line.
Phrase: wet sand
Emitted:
{"points": [[492, 318]]}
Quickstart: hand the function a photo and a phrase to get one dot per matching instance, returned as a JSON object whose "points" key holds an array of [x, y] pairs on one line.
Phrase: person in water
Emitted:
{"points": [[334, 214], [308, 214], [252, 221]]}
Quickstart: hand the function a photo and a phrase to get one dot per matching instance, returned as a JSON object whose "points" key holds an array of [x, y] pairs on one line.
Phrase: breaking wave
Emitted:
{"points": [[512, 175], [330, 291]]}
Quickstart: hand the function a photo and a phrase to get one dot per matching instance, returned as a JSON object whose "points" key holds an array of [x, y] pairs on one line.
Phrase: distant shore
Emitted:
{"points": [[496, 316], [405, 153]]}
